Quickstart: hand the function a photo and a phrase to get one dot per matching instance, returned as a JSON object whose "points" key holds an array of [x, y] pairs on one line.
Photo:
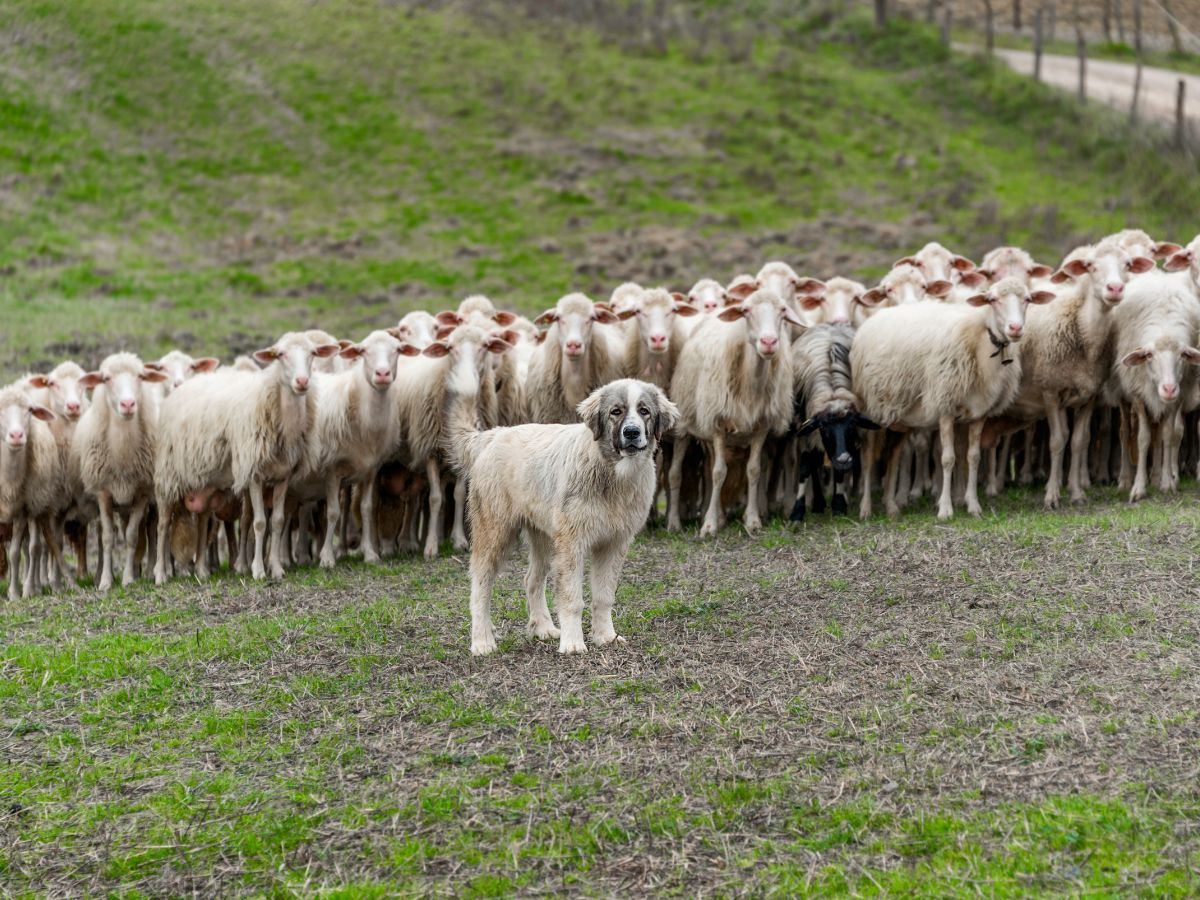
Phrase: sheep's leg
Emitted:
{"points": [[278, 520], [838, 489], [230, 541], [1169, 438], [1025, 476], [753, 520], [368, 494], [974, 436], [458, 534], [870, 451], [333, 513], [541, 555], [1176, 449], [58, 570], [712, 519], [890, 476], [568, 592], [200, 555], [1080, 436], [904, 472], [14, 557], [675, 482], [258, 571], [162, 545], [1057, 419], [132, 528], [1143, 451], [946, 500], [1126, 438], [433, 538], [919, 442], [106, 540], [245, 527], [304, 525], [607, 561], [33, 572], [998, 471], [79, 544]]}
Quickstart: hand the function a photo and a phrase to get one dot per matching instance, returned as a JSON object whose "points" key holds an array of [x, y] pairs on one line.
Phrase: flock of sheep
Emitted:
{"points": [[316, 446]]}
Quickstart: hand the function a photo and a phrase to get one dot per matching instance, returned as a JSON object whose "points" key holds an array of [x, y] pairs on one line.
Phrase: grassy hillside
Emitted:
{"points": [[207, 174]]}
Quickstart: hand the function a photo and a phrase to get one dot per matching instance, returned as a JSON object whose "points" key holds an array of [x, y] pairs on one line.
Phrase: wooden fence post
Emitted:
{"points": [[1037, 45], [947, 24], [1016, 15], [990, 12], [1053, 20], [1120, 17], [1081, 49], [1137, 44], [931, 11], [881, 12], [1180, 118]]}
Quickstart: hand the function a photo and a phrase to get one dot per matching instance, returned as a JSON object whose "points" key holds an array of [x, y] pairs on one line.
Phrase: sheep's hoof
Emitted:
{"points": [[105, 584], [431, 553], [944, 514], [607, 639], [753, 526], [839, 505], [483, 646], [798, 511], [708, 529], [975, 510], [126, 580], [542, 629], [1051, 503], [1137, 496], [674, 527], [461, 543], [276, 572], [258, 573]]}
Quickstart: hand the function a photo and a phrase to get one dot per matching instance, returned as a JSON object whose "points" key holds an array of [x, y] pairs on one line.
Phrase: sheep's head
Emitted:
{"points": [[294, 356], [838, 426], [575, 314], [906, 283], [780, 278], [179, 367], [838, 301], [1186, 258], [655, 311], [1010, 262], [16, 409], [379, 353], [1008, 299], [1138, 243], [1165, 359], [707, 295], [1107, 267], [66, 394], [764, 313], [939, 264], [122, 376], [625, 298], [418, 328], [468, 347]]}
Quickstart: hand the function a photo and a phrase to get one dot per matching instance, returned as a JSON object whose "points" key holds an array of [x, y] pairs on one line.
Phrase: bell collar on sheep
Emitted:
{"points": [[1001, 346]]}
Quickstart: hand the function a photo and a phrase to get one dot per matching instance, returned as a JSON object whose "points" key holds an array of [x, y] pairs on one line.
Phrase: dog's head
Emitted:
{"points": [[628, 417]]}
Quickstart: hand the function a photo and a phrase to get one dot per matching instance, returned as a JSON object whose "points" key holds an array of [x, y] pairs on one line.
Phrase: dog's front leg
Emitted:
{"points": [[607, 561], [568, 593]]}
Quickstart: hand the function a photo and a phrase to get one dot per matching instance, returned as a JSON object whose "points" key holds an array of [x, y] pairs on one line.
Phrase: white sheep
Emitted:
{"points": [[571, 362], [179, 367], [838, 301], [707, 295], [418, 328], [733, 385], [923, 365], [904, 284], [113, 451], [655, 338], [939, 264], [238, 431]]}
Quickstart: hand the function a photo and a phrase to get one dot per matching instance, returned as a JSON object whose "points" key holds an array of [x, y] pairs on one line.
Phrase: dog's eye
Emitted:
{"points": [[616, 411], [643, 412]]}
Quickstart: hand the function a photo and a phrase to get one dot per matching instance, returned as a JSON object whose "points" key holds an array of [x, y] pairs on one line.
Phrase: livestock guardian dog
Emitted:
{"points": [[576, 490]]}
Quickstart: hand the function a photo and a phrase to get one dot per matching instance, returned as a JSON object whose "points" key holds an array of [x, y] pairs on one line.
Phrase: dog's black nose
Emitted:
{"points": [[631, 433]]}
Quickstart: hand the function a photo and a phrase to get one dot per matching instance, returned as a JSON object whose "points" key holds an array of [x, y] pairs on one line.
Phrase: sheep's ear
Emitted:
{"points": [[547, 318], [1178, 261], [1163, 249], [626, 314], [497, 345], [972, 280], [94, 379], [906, 261], [1191, 356], [739, 292], [679, 297], [205, 364], [343, 343], [398, 332], [604, 315], [808, 427], [1040, 271], [962, 263], [812, 301], [873, 296], [354, 351], [978, 300], [1059, 277], [504, 317], [152, 375], [591, 414], [40, 412], [324, 351], [1040, 297], [512, 337], [443, 331], [437, 349], [1077, 268], [731, 313], [989, 274], [938, 288], [407, 349], [449, 317], [789, 316], [666, 415], [685, 309], [810, 286], [541, 337], [266, 356], [39, 381], [1137, 357], [157, 366], [863, 422], [1140, 264]]}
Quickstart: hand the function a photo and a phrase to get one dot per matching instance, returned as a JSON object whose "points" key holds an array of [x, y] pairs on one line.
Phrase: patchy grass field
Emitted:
{"points": [[1001, 706]]}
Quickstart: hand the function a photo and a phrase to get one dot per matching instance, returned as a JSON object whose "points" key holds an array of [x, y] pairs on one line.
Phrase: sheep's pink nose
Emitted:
{"points": [[574, 347], [16, 436], [1169, 391], [301, 381], [1015, 329], [128, 406], [383, 375], [658, 340], [768, 344], [839, 320], [72, 409], [1115, 289]]}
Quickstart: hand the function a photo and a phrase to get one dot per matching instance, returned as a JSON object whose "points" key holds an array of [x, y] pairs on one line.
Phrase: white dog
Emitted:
{"points": [[576, 490]]}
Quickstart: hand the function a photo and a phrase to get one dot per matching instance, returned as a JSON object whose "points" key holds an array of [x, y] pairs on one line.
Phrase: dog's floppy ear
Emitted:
{"points": [[666, 414], [591, 414]]}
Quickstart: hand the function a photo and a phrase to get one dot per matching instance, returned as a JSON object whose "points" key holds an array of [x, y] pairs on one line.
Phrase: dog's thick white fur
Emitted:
{"points": [[575, 490]]}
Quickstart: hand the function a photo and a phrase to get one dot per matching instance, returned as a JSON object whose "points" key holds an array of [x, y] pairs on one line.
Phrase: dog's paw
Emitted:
{"points": [[574, 645], [605, 640], [542, 629], [483, 646]]}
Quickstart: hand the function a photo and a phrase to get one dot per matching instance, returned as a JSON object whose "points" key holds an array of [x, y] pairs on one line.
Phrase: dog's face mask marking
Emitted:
{"points": [[629, 416]]}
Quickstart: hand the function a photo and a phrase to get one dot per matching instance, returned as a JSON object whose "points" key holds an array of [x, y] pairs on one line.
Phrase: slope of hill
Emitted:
{"points": [[188, 172]]}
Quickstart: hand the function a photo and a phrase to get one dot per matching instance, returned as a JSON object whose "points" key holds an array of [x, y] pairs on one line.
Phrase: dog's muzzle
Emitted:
{"points": [[632, 440]]}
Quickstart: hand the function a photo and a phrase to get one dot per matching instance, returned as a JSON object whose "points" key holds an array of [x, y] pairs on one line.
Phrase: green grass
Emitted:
{"points": [[197, 174]]}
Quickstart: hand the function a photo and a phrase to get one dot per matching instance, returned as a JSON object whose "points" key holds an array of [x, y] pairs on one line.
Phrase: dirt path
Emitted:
{"points": [[1112, 82]]}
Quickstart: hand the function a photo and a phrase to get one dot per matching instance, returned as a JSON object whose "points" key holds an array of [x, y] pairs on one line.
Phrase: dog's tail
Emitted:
{"points": [[460, 432]]}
